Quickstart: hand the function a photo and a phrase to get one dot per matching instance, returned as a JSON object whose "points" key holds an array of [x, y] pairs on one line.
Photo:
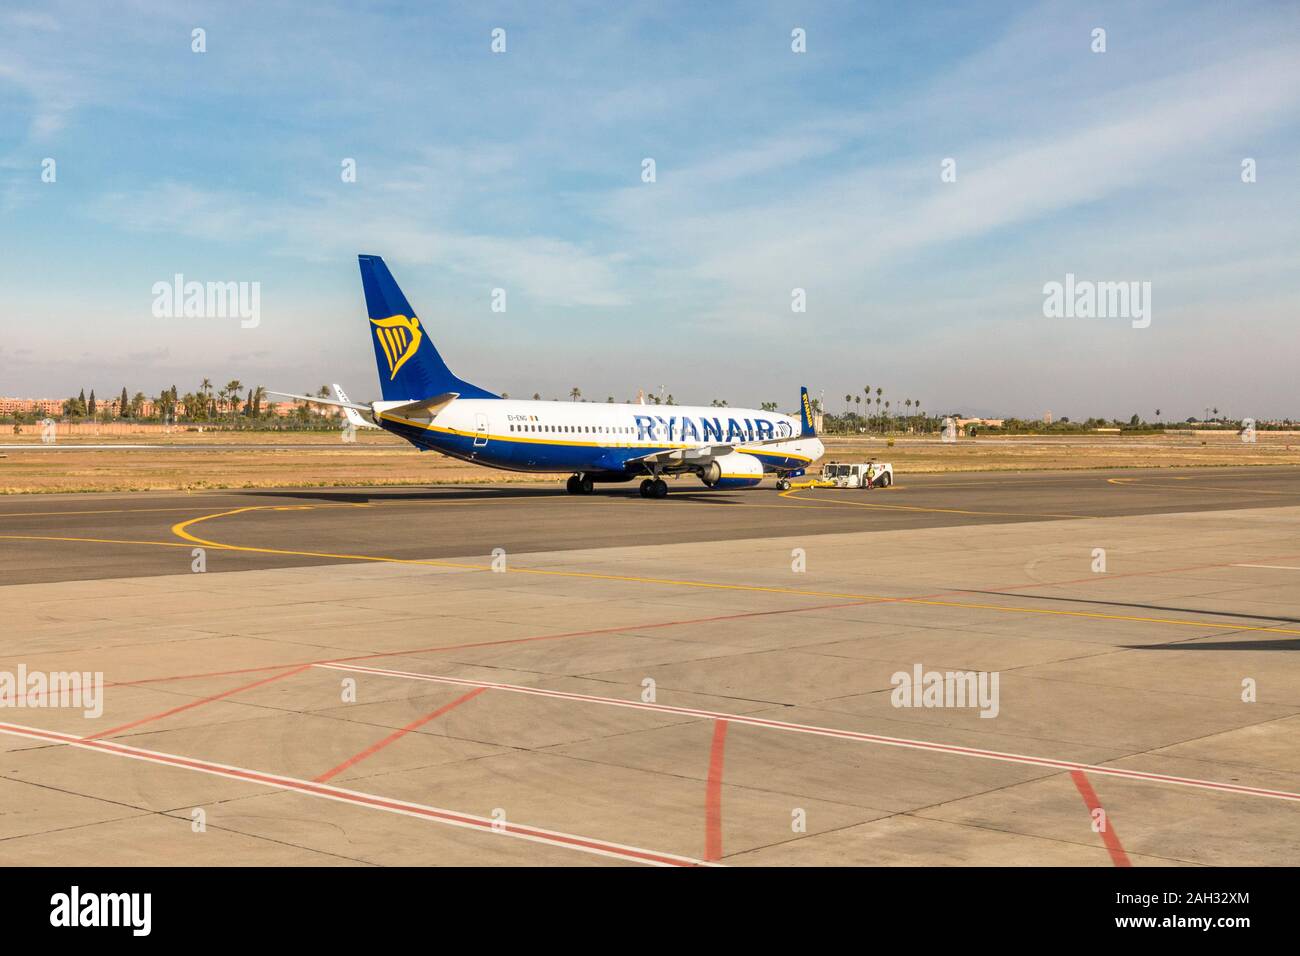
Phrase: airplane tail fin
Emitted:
{"points": [[806, 415], [410, 367]]}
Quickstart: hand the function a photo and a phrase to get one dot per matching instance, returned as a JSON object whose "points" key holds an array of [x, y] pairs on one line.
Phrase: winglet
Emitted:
{"points": [[350, 410], [806, 414]]}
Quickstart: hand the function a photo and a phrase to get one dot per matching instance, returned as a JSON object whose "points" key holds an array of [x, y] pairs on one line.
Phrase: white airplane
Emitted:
{"points": [[593, 442]]}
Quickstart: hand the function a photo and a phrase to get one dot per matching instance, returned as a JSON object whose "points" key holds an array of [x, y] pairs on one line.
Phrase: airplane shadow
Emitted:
{"points": [[1271, 618], [413, 493], [1284, 644], [452, 493]]}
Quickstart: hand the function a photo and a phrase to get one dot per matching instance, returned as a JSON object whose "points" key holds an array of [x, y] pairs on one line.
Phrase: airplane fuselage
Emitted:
{"points": [[603, 439], [434, 409]]}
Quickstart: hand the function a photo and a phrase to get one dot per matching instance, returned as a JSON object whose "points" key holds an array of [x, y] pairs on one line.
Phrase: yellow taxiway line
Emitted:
{"points": [[951, 511], [181, 529]]}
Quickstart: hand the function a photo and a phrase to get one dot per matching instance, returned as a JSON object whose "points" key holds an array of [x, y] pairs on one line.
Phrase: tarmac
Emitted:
{"points": [[516, 676]]}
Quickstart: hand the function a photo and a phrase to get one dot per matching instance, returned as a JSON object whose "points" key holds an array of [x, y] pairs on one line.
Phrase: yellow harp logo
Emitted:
{"points": [[399, 337]]}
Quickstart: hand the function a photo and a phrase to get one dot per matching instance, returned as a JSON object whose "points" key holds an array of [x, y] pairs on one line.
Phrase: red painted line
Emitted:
{"points": [[1048, 762], [398, 734], [357, 798], [1093, 578], [505, 641], [1108, 834], [196, 703], [713, 794]]}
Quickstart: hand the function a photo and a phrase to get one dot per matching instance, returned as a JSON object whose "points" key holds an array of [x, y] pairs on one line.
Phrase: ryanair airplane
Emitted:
{"points": [[431, 408]]}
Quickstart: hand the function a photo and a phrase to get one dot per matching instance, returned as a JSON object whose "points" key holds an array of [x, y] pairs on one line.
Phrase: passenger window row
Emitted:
{"points": [[574, 429]]}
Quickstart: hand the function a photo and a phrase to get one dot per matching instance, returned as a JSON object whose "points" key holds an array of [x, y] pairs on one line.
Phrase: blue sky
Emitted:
{"points": [[775, 171]]}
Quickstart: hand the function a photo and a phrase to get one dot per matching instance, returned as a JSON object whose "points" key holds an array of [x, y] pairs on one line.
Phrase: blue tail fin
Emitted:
{"points": [[409, 366], [806, 414]]}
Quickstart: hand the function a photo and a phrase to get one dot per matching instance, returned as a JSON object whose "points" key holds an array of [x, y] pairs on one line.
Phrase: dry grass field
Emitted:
{"points": [[217, 459]]}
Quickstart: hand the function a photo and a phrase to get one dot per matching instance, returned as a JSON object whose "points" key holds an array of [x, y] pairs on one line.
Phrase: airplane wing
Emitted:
{"points": [[425, 408], [321, 401], [704, 452]]}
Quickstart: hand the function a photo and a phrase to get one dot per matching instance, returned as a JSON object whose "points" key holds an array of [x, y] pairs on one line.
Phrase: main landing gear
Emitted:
{"points": [[783, 484], [654, 488], [579, 485]]}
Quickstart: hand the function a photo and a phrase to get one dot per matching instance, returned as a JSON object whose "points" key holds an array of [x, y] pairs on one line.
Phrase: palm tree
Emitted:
{"points": [[259, 396], [575, 393], [205, 393]]}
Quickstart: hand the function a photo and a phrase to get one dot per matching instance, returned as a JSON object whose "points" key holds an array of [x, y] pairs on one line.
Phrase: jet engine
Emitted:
{"points": [[733, 470]]}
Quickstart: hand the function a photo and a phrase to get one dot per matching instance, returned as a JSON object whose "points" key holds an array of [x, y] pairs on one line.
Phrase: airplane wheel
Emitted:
{"points": [[586, 485], [660, 488], [647, 487], [571, 486], [782, 485]]}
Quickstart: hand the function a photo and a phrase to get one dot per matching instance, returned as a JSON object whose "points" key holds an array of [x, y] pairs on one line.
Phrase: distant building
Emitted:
{"points": [[148, 408], [964, 424], [21, 406]]}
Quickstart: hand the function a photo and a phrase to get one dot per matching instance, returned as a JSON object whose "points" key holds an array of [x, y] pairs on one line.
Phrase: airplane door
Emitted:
{"points": [[480, 430]]}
